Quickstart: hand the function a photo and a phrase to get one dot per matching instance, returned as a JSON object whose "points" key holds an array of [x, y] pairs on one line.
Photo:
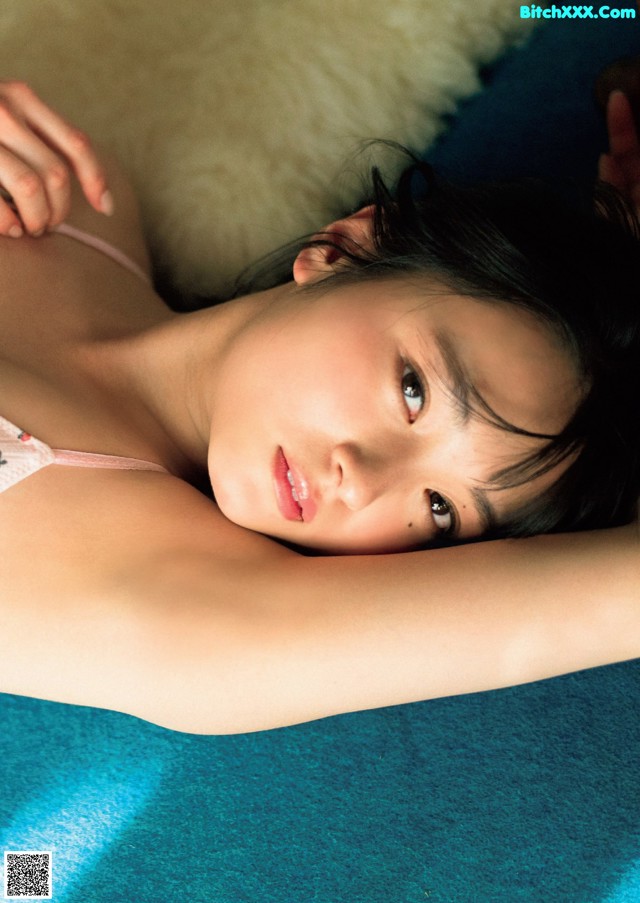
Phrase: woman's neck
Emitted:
{"points": [[163, 375]]}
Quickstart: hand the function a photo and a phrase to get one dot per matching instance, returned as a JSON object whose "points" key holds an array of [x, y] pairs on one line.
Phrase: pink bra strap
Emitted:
{"points": [[88, 459], [100, 245]]}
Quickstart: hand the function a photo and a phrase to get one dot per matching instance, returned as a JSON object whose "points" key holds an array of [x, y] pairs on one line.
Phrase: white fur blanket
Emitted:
{"points": [[236, 119]]}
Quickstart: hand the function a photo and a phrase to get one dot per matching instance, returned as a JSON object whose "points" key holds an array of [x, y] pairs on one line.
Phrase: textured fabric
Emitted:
{"points": [[22, 455], [525, 795], [537, 117], [238, 121]]}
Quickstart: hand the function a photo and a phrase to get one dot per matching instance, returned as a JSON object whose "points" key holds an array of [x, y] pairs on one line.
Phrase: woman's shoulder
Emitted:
{"points": [[85, 559], [54, 290], [110, 518], [91, 561]]}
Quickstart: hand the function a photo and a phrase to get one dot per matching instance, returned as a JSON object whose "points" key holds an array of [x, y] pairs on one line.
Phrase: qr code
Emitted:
{"points": [[27, 874]]}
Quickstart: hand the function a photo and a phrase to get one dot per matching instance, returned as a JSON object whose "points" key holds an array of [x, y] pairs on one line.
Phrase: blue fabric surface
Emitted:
{"points": [[525, 794], [537, 116]]}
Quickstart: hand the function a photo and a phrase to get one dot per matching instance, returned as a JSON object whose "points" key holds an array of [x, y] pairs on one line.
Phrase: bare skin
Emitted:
{"points": [[133, 592]]}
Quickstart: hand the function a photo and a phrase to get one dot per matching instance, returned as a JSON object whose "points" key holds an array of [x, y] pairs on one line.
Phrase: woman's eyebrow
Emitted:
{"points": [[460, 388], [486, 511], [458, 382]]}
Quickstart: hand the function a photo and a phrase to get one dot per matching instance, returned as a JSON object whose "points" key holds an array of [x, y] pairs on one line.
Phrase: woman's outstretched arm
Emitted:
{"points": [[170, 612], [295, 639]]}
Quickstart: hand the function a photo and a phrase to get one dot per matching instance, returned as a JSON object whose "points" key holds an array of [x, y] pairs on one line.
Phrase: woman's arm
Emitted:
{"points": [[146, 600], [243, 648]]}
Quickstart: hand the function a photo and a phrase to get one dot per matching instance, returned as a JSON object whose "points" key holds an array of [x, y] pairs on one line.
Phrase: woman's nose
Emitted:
{"points": [[358, 479]]}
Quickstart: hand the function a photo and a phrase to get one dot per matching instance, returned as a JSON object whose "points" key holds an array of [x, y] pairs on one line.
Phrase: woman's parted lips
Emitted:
{"points": [[292, 491], [302, 492]]}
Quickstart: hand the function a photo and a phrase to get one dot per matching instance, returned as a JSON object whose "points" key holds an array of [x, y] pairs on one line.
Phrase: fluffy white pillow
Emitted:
{"points": [[235, 119]]}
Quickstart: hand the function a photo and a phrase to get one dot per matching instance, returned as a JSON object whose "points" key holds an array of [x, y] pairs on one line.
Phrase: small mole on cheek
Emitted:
{"points": [[410, 524]]}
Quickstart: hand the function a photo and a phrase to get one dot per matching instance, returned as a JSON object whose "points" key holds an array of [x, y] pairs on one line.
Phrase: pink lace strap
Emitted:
{"points": [[89, 459], [104, 247]]}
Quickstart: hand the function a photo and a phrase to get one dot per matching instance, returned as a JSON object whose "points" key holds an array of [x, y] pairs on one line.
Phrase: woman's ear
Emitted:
{"points": [[315, 263]]}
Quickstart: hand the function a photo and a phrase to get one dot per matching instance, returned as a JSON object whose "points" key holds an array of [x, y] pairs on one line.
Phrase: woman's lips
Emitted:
{"points": [[292, 491], [301, 493], [288, 506]]}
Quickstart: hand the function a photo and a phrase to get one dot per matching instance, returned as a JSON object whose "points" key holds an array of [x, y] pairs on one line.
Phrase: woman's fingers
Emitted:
{"points": [[36, 178], [10, 225], [39, 151], [73, 144], [27, 192], [623, 139], [621, 166]]}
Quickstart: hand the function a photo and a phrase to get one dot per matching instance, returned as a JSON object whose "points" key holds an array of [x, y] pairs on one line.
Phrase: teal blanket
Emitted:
{"points": [[524, 794]]}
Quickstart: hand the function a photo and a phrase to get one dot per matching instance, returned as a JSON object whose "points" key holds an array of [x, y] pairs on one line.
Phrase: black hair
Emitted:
{"points": [[574, 262]]}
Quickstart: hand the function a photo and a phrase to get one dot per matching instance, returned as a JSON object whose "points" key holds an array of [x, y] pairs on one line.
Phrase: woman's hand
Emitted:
{"points": [[39, 152], [621, 166]]}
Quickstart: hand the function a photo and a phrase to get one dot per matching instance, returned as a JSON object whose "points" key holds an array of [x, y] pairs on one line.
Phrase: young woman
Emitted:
{"points": [[425, 375]]}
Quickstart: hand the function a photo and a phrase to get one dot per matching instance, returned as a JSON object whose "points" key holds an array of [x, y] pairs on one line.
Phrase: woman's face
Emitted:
{"points": [[339, 420]]}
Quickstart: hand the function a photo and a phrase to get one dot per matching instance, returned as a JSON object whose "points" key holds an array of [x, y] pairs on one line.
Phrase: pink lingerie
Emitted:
{"points": [[20, 453]]}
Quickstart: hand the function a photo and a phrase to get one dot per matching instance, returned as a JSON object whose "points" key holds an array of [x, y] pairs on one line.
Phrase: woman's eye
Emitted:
{"points": [[412, 391], [441, 512]]}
